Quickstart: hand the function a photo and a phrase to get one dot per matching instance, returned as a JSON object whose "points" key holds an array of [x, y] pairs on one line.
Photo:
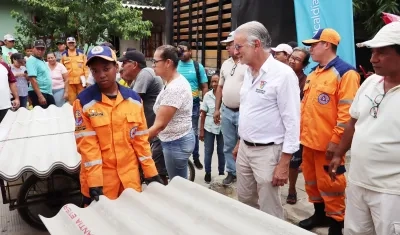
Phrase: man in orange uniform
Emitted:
{"points": [[328, 94], [111, 133], [75, 61]]}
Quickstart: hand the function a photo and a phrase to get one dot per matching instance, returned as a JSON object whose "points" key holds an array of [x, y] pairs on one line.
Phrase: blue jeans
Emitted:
{"points": [[58, 95], [229, 128], [177, 153], [209, 140], [195, 126], [23, 101]]}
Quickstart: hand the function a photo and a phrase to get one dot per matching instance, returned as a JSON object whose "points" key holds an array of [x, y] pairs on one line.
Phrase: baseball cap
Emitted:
{"points": [[39, 43], [108, 44], [229, 38], [283, 47], [9, 37], [134, 56], [71, 39], [324, 35], [103, 52], [388, 35], [59, 42]]}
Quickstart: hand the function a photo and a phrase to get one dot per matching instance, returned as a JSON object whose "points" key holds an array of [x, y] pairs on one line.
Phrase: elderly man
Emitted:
{"points": [[373, 193], [328, 94], [269, 121], [227, 97]]}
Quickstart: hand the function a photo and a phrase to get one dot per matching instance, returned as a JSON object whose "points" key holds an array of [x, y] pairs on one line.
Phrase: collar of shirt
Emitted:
{"points": [[263, 70]]}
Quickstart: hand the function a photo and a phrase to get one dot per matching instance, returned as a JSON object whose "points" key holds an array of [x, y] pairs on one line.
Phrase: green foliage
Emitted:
{"points": [[370, 12], [89, 21]]}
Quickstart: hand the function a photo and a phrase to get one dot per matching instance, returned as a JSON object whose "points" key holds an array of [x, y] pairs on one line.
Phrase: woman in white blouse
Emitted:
{"points": [[59, 76]]}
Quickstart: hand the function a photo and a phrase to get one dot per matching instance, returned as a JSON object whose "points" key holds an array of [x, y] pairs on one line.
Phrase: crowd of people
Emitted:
{"points": [[269, 120]]}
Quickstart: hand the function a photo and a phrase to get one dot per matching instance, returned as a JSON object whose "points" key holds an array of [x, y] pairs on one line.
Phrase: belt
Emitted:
{"points": [[233, 109], [257, 144]]}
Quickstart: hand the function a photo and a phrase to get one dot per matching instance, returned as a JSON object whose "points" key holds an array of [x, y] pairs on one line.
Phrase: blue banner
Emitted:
{"points": [[312, 15]]}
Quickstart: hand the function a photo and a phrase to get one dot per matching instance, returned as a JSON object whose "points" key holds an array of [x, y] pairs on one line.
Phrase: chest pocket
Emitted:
{"points": [[79, 62], [67, 64], [101, 126], [325, 96], [132, 127]]}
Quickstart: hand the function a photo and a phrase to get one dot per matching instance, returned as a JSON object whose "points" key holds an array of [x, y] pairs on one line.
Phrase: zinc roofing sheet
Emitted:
{"points": [[38, 141], [142, 7], [181, 208]]}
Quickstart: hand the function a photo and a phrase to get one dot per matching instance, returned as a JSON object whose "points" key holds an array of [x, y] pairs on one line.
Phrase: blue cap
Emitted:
{"points": [[103, 52]]}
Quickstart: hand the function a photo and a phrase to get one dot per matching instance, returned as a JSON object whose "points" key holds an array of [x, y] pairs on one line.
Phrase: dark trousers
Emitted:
{"points": [[209, 140], [35, 100]]}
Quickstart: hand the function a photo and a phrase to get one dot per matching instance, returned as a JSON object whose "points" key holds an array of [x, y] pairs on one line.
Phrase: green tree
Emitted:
{"points": [[369, 12], [87, 20]]}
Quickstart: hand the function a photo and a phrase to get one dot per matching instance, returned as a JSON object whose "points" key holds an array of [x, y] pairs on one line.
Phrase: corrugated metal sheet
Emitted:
{"points": [[182, 207], [134, 6], [39, 141]]}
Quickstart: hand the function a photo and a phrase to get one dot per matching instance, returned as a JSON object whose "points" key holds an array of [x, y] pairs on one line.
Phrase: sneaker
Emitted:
{"points": [[198, 164], [229, 179], [207, 178]]}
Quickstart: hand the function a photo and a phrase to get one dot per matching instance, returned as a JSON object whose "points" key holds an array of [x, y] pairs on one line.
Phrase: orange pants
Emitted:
{"points": [[73, 91], [319, 186]]}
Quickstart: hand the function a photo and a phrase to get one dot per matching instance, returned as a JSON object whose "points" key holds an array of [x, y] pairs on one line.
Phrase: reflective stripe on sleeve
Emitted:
{"points": [[144, 158], [144, 132], [341, 124], [346, 101], [84, 133], [332, 194], [93, 163]]}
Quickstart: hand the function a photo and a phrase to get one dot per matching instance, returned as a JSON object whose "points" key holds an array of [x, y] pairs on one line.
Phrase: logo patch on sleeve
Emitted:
{"points": [[132, 132], [78, 118]]}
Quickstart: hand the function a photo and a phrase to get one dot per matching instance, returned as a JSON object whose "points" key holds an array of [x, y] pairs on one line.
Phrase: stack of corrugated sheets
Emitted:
{"points": [[181, 208], [38, 141]]}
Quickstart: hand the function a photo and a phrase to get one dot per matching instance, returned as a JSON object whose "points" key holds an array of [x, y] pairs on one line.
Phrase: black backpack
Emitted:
{"points": [[197, 68]]}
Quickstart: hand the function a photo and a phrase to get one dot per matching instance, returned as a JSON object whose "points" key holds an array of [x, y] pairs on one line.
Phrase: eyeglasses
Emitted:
{"points": [[375, 105], [295, 59], [233, 69], [237, 46], [156, 61]]}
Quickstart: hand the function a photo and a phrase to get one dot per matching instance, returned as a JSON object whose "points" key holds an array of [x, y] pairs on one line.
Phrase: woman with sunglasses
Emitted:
{"points": [[173, 108]]}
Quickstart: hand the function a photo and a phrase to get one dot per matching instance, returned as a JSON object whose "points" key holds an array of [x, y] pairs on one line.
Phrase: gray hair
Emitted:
{"points": [[255, 31]]}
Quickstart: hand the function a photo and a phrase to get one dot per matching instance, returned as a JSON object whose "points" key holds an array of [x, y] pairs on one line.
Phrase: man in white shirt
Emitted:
{"points": [[373, 192], [228, 101], [269, 121]]}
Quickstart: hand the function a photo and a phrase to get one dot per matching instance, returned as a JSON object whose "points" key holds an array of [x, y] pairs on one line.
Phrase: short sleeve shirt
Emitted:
{"points": [[188, 70], [7, 54], [375, 161], [176, 94], [148, 85], [39, 69], [208, 106], [231, 78], [22, 82], [57, 76]]}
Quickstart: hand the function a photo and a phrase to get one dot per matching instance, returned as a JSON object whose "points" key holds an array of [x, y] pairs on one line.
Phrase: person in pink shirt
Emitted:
{"points": [[59, 76]]}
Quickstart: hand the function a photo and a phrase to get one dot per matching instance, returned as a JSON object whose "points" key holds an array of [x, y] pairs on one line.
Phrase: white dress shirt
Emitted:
{"points": [[270, 106]]}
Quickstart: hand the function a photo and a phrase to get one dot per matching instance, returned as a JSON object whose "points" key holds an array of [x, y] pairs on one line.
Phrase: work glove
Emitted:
{"points": [[95, 193], [156, 178]]}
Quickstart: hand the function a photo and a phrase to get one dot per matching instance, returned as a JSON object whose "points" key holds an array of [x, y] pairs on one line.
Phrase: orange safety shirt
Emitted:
{"points": [[75, 62], [328, 94], [112, 138]]}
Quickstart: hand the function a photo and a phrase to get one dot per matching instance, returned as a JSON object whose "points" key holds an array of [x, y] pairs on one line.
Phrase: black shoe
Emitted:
{"points": [[318, 219], [221, 173], [229, 179], [207, 178], [335, 227], [198, 164]]}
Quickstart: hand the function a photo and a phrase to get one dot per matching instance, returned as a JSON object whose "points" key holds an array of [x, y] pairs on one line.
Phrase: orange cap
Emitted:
{"points": [[324, 35]]}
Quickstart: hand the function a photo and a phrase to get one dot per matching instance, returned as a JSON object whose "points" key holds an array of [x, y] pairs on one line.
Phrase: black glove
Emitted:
{"points": [[156, 178], [95, 193]]}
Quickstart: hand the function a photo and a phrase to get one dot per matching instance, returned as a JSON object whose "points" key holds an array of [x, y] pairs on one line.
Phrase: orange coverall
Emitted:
{"points": [[75, 62], [112, 138], [328, 94]]}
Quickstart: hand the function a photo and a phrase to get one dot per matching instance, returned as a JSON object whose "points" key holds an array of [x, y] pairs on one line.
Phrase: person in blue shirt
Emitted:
{"points": [[40, 90], [198, 81]]}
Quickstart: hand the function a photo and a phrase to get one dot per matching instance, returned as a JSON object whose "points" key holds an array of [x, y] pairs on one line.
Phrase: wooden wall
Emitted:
{"points": [[198, 22]]}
